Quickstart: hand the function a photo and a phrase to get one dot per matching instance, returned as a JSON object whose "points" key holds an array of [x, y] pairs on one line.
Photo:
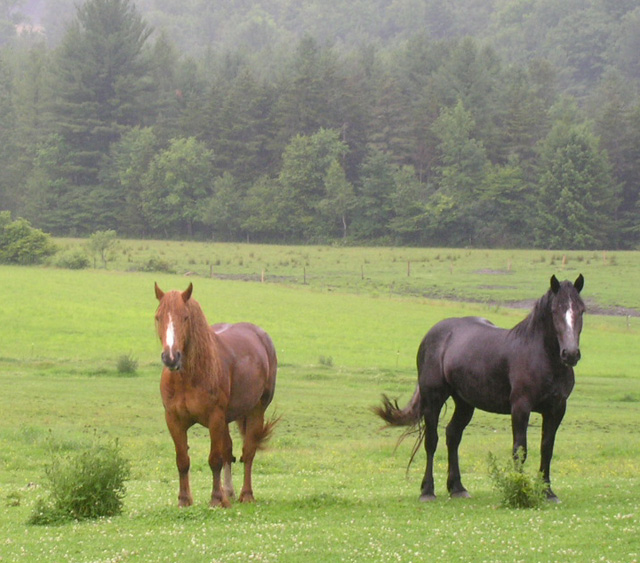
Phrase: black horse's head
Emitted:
{"points": [[567, 309]]}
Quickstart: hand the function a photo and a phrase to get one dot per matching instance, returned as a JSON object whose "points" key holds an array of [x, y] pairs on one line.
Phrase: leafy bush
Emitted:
{"points": [[103, 244], [86, 484], [73, 260], [20, 243], [127, 364], [155, 264], [517, 489]]}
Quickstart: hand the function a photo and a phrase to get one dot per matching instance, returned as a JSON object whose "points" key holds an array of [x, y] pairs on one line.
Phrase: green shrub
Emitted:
{"points": [[127, 364], [516, 488], [155, 264], [20, 243], [103, 244], [86, 484], [73, 260]]}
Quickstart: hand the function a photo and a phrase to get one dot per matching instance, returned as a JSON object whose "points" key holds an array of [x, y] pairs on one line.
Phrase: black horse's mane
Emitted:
{"points": [[537, 318], [540, 316]]}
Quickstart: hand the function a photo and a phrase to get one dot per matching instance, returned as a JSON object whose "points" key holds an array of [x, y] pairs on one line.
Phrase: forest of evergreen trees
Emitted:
{"points": [[510, 123]]}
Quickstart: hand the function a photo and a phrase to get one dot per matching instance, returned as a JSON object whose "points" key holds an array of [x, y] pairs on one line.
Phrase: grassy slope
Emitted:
{"points": [[500, 276], [330, 487]]}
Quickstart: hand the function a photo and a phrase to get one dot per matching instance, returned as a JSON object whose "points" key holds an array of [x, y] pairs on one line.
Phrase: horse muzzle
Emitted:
{"points": [[570, 357], [173, 362]]}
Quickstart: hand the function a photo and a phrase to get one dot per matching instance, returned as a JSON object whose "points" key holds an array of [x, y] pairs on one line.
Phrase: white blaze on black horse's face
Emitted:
{"points": [[567, 310]]}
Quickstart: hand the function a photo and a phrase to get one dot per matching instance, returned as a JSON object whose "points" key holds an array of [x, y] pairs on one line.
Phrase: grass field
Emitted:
{"points": [[331, 486]]}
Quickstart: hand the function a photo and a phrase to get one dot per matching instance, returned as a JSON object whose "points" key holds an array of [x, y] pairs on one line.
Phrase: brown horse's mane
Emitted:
{"points": [[202, 356]]}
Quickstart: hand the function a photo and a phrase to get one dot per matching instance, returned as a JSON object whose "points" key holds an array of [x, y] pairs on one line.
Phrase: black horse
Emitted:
{"points": [[526, 369]]}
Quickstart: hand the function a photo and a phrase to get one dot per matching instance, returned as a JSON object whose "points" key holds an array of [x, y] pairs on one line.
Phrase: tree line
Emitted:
{"points": [[426, 140]]}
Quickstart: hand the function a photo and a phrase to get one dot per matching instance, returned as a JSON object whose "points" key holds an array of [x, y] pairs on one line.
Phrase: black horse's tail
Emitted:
{"points": [[410, 416], [393, 415]]}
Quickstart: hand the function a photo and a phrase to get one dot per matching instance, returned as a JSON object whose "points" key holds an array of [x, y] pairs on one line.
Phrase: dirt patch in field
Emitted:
{"points": [[592, 308]]}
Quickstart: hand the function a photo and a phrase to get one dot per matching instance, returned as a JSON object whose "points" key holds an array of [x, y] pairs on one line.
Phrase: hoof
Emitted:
{"points": [[551, 496], [184, 502], [246, 497], [461, 494], [427, 498], [222, 503]]}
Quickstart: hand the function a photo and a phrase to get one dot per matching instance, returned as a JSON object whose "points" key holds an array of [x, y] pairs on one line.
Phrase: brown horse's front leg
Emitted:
{"points": [[178, 432], [219, 454]]}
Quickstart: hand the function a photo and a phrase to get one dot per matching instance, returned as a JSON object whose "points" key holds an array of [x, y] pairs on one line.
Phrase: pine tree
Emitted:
{"points": [[577, 198], [101, 78]]}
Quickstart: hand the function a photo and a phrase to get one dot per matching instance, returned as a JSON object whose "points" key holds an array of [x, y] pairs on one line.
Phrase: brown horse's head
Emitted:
{"points": [[172, 324]]}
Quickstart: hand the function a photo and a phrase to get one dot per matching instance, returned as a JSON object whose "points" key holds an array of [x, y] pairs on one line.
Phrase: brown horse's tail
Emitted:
{"points": [[263, 436], [393, 415]]}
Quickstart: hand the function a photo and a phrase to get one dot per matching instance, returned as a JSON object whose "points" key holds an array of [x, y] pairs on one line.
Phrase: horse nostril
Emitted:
{"points": [[172, 361], [570, 358]]}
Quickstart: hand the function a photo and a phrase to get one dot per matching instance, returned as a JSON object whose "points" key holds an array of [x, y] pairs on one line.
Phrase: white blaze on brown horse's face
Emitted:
{"points": [[172, 317], [170, 338]]}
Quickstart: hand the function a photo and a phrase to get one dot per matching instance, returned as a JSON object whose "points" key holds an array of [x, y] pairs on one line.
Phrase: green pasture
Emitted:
{"points": [[486, 276], [331, 486]]}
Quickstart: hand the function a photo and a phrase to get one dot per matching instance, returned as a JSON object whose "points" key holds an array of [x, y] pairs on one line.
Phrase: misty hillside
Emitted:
{"points": [[422, 122], [580, 36]]}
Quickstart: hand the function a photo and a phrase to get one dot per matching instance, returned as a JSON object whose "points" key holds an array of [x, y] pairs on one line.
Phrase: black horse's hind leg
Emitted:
{"points": [[459, 421], [431, 408], [550, 422]]}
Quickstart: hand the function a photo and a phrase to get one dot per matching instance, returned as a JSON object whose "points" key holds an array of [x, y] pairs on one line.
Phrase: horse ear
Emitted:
{"points": [[159, 292], [186, 294], [555, 284], [579, 283]]}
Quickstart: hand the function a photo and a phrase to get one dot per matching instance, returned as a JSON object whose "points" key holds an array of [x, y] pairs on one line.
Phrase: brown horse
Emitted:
{"points": [[214, 376]]}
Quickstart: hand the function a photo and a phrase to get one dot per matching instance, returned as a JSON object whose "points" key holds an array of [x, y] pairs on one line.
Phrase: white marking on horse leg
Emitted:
{"points": [[228, 481], [171, 336]]}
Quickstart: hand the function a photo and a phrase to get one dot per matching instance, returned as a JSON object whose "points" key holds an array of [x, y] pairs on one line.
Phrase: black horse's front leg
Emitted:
{"points": [[550, 422], [520, 413]]}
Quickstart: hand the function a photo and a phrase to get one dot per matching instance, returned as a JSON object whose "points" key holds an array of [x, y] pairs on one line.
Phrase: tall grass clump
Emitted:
{"points": [[127, 365], [87, 484], [516, 488]]}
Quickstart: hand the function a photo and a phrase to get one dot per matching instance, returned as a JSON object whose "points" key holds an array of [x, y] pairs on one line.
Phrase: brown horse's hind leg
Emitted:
{"points": [[179, 434], [219, 454], [254, 432]]}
